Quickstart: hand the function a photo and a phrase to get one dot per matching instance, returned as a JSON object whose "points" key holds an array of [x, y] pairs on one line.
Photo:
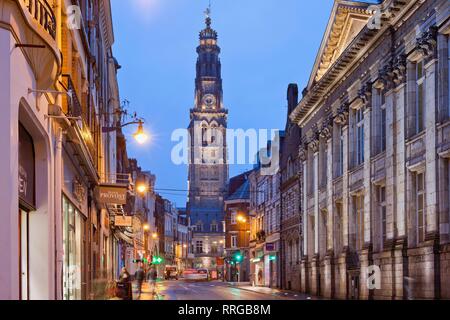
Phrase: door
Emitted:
{"points": [[24, 254]]}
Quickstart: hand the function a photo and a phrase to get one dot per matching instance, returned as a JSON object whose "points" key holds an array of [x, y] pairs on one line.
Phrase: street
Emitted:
{"points": [[216, 290]]}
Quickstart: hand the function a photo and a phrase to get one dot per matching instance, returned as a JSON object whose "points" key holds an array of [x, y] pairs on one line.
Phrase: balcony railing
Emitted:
{"points": [[42, 12], [75, 109]]}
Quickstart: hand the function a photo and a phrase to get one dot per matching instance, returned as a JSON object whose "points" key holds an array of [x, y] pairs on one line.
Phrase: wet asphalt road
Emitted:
{"points": [[216, 290]]}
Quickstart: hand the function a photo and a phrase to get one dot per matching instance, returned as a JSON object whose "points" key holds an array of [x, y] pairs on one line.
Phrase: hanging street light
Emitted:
{"points": [[140, 136]]}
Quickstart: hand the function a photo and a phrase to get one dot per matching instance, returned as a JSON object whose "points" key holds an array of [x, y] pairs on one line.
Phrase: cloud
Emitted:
{"points": [[145, 9]]}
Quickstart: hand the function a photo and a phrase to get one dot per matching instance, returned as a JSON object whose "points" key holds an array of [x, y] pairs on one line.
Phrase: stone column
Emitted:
{"points": [[341, 263], [443, 115], [399, 134], [9, 137], [305, 213], [430, 138], [329, 272], [316, 198], [330, 220], [389, 164]]}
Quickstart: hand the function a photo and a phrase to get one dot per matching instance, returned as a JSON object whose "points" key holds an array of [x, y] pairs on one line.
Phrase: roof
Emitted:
{"points": [[347, 19], [242, 193]]}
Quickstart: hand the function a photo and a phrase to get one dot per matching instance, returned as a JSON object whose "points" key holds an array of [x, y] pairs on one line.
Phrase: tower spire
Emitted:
{"points": [[208, 15]]}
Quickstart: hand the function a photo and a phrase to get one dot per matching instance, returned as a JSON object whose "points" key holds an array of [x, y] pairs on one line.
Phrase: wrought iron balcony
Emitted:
{"points": [[43, 14]]}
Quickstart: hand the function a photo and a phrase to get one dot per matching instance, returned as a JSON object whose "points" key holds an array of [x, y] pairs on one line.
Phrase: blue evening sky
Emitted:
{"points": [[266, 44]]}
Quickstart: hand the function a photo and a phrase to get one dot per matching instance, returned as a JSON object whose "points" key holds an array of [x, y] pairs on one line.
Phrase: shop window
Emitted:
{"points": [[73, 224]]}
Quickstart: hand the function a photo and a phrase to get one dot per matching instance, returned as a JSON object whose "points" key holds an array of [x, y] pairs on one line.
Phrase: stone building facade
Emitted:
{"points": [[375, 148], [265, 228], [290, 199]]}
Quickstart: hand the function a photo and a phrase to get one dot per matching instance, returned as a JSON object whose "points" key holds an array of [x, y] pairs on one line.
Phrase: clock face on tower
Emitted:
{"points": [[209, 100]]}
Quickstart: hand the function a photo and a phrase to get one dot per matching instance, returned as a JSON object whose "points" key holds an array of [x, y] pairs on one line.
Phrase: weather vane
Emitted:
{"points": [[208, 10]]}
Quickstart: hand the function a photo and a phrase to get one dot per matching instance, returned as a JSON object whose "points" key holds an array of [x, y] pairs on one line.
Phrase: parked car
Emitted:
{"points": [[171, 272], [196, 275]]}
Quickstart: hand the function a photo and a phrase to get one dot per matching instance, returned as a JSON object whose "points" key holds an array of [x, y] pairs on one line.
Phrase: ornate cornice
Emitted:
{"points": [[315, 141], [303, 150], [426, 43], [399, 69], [341, 117], [365, 93], [326, 132]]}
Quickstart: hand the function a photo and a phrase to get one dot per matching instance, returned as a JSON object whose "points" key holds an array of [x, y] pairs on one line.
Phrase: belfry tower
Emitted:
{"points": [[208, 167]]}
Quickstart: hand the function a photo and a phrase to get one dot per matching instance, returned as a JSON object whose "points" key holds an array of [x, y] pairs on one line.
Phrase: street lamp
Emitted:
{"points": [[142, 188], [155, 235], [146, 227], [140, 136]]}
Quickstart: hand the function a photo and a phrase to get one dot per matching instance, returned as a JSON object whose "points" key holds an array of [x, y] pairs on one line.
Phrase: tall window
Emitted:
{"points": [[382, 130], [382, 207], [340, 150], [359, 227], [233, 217], [338, 228], [420, 97], [420, 206], [359, 136], [234, 241], [214, 227], [199, 246], [448, 75]]}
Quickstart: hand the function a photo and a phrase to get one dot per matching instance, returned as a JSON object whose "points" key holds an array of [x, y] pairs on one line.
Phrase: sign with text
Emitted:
{"points": [[112, 195], [270, 247], [123, 221]]}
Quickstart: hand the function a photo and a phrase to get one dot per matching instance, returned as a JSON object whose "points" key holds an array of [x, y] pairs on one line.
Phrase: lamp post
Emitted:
{"points": [[140, 135]]}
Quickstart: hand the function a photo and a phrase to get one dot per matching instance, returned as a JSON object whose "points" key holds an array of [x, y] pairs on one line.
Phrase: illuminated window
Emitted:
{"points": [[199, 246], [234, 241]]}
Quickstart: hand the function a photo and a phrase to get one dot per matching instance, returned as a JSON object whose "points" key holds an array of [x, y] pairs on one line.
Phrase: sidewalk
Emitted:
{"points": [[272, 291]]}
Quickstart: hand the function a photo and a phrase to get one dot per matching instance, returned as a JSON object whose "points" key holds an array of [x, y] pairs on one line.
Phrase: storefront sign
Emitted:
{"points": [[26, 167], [123, 221], [112, 195], [78, 190], [270, 247], [220, 261]]}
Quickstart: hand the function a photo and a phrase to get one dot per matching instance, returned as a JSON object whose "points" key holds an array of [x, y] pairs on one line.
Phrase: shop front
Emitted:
{"points": [[75, 232], [258, 267], [27, 205], [74, 225], [271, 264]]}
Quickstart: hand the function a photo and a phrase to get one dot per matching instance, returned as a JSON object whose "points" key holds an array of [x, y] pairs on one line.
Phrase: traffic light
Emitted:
{"points": [[157, 260], [237, 257], [272, 257]]}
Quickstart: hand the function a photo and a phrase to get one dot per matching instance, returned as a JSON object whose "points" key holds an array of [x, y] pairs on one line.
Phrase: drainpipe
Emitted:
{"points": [[57, 174], [58, 214]]}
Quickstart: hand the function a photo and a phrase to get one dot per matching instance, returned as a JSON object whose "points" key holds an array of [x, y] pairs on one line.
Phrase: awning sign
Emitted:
{"points": [[123, 221], [112, 195]]}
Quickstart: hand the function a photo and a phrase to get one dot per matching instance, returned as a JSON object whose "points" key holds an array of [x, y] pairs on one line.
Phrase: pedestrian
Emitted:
{"points": [[151, 277], [139, 276], [125, 285]]}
